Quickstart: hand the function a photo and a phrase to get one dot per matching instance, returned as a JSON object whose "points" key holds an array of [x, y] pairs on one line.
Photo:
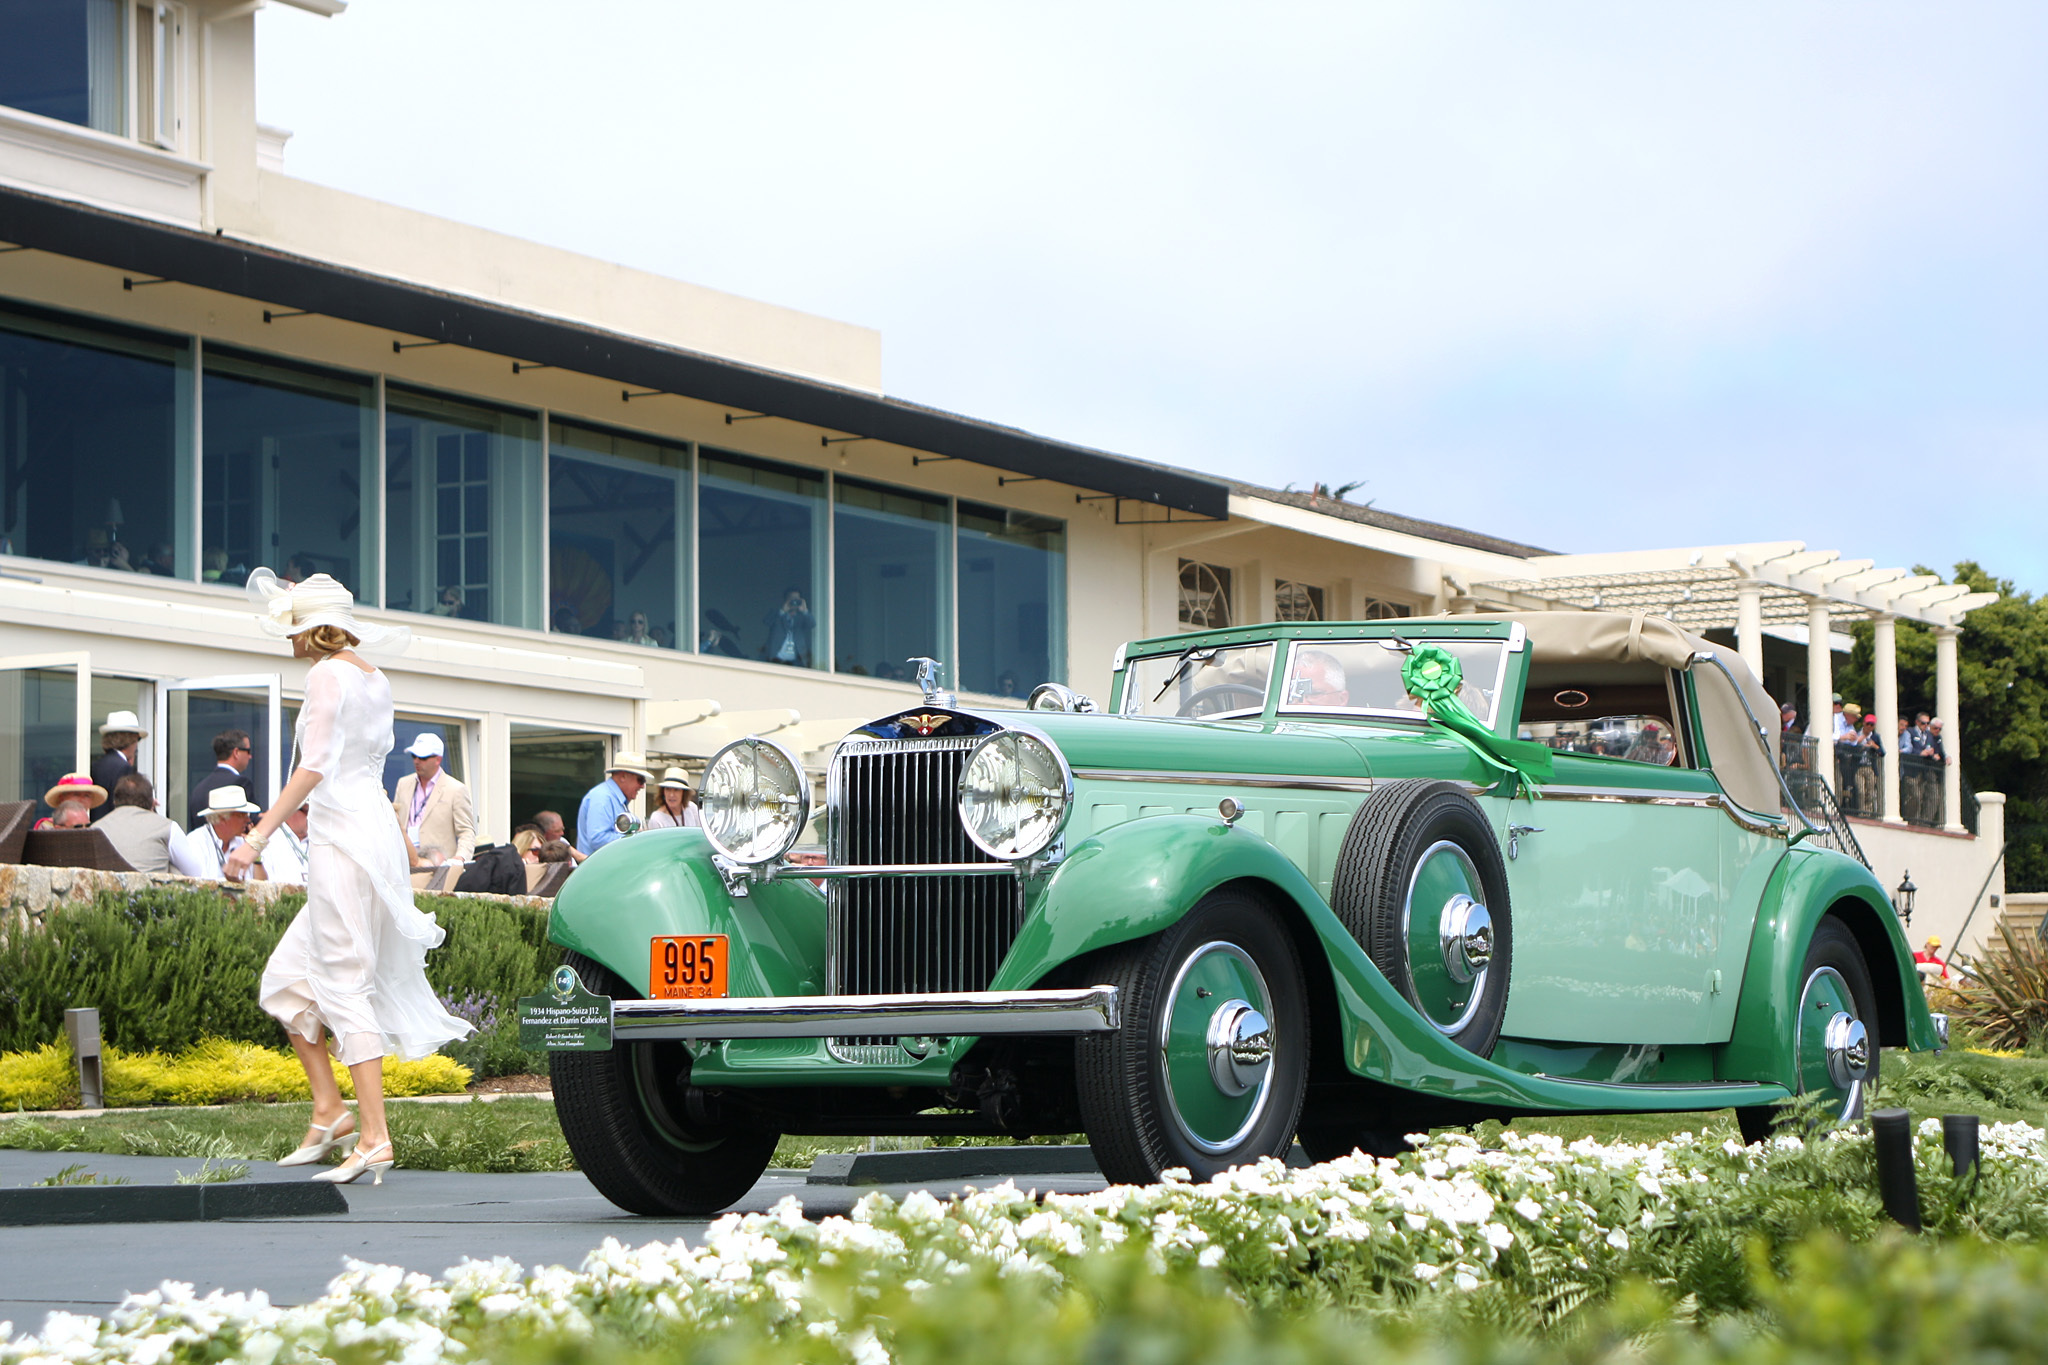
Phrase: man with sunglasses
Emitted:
{"points": [[231, 754]]}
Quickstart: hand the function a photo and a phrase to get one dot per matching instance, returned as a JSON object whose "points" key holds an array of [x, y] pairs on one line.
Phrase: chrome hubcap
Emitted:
{"points": [[1466, 931], [1847, 1045], [1240, 1047]]}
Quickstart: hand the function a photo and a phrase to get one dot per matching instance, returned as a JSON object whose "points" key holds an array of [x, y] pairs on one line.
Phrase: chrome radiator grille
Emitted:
{"points": [[895, 802]]}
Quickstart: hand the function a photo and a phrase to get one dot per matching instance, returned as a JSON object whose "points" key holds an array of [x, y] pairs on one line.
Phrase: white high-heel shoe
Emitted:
{"points": [[327, 1142], [360, 1160]]}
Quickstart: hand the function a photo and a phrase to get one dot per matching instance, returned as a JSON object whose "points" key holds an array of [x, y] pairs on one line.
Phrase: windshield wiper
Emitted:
{"points": [[1192, 654]]}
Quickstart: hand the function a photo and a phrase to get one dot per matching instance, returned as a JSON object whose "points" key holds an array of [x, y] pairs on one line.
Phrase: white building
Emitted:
{"points": [[587, 488]]}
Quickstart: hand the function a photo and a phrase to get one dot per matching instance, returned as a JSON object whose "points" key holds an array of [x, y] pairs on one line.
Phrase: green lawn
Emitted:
{"points": [[519, 1134]]}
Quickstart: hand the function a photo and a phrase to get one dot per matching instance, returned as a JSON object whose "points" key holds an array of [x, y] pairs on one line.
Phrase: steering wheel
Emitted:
{"points": [[1210, 700]]}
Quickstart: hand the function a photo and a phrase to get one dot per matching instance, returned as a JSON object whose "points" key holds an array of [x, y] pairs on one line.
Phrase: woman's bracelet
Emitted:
{"points": [[255, 841]]}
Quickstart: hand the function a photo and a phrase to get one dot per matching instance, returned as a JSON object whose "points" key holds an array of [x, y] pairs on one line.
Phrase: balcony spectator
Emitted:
{"points": [[789, 632], [145, 839], [720, 636], [1869, 756]]}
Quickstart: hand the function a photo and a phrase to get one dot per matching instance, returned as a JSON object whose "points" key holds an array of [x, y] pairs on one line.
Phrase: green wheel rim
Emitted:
{"points": [[1215, 979], [1443, 873], [1827, 995]]}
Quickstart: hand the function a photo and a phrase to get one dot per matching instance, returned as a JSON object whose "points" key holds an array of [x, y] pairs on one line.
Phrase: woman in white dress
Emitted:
{"points": [[676, 810], [352, 965]]}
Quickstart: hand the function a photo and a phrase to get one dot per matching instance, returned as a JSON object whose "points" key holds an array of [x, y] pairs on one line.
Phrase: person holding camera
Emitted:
{"points": [[789, 631]]}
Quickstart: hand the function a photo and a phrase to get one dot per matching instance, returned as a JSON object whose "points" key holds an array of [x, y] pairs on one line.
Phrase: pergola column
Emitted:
{"points": [[1749, 623], [1820, 688], [1884, 670], [1947, 707]]}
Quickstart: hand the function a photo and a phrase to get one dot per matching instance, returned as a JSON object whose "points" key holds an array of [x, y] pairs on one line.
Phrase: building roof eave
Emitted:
{"points": [[262, 273]]}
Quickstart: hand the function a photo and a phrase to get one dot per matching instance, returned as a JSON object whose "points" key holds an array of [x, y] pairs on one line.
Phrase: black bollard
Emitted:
{"points": [[1959, 1137], [1892, 1129]]}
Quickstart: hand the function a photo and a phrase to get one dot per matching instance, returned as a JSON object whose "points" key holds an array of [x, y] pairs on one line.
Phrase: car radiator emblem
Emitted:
{"points": [[923, 723]]}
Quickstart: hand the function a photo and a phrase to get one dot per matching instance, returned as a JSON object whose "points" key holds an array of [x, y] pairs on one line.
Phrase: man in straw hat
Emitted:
{"points": [[222, 825], [597, 818], [118, 740], [71, 802]]}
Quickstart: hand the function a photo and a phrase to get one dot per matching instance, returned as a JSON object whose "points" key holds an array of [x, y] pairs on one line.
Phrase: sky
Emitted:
{"points": [[1585, 276]]}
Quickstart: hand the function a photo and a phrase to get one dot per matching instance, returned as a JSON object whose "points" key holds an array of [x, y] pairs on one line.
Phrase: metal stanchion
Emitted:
{"points": [[1959, 1138], [82, 1027]]}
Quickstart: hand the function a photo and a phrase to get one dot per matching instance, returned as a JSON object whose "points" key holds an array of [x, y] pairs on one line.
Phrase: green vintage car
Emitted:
{"points": [[1340, 882]]}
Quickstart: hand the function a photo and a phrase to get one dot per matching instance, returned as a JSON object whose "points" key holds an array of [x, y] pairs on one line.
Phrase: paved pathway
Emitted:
{"points": [[422, 1220]]}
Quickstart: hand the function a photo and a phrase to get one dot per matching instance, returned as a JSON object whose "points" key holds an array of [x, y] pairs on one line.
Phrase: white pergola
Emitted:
{"points": [[1745, 587]]}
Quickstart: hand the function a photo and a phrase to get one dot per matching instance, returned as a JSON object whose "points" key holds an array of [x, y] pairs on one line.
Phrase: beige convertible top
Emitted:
{"points": [[1745, 772]]}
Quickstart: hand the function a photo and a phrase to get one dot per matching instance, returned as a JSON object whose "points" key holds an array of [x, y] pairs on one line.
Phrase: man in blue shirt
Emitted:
{"points": [[603, 804]]}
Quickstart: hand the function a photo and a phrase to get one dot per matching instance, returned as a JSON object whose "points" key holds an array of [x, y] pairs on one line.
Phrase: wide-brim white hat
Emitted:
{"points": [[626, 761], [226, 800], [676, 778], [287, 610], [123, 722]]}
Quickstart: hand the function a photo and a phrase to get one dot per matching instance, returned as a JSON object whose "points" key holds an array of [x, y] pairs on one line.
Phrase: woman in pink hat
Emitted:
{"points": [[352, 965], [72, 790]]}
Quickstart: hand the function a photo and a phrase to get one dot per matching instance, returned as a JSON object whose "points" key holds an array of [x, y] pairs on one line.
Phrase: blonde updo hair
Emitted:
{"points": [[324, 640]]}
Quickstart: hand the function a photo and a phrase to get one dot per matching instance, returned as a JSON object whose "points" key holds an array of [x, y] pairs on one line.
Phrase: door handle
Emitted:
{"points": [[1515, 833]]}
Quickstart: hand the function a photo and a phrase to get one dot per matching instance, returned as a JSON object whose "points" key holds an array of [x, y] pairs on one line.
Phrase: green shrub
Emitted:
{"points": [[167, 967]]}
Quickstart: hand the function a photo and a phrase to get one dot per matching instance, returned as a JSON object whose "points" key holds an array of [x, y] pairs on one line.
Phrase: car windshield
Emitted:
{"points": [[1364, 677], [1211, 680]]}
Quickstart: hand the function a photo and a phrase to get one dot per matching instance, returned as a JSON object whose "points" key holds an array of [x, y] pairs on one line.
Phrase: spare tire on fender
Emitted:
{"points": [[1421, 885]]}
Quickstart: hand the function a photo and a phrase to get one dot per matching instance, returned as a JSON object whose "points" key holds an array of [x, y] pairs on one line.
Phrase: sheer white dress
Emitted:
{"points": [[353, 962]]}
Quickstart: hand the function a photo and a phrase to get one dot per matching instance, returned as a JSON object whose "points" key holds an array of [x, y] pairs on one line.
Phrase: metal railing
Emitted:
{"points": [[1858, 774]]}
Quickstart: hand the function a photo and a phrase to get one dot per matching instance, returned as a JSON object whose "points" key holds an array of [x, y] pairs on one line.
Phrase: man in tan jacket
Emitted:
{"points": [[434, 806]]}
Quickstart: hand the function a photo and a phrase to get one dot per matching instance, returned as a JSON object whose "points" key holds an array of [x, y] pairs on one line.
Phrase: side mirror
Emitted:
{"points": [[626, 824]]}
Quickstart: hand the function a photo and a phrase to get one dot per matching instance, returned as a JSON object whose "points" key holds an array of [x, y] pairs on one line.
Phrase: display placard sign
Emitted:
{"points": [[568, 1018]]}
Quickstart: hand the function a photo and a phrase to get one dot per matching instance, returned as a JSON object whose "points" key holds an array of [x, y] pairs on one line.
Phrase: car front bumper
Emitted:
{"points": [[1041, 1013]]}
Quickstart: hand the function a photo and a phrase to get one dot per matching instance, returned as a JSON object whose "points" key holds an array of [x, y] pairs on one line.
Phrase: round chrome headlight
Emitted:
{"points": [[1014, 795], [756, 800]]}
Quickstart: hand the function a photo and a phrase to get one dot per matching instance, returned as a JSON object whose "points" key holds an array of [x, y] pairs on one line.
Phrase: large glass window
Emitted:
{"points": [[618, 532], [63, 59], [890, 598], [288, 453], [95, 445], [1013, 600], [462, 509], [761, 560]]}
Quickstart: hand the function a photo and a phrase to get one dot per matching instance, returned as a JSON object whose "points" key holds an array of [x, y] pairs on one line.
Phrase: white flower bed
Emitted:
{"points": [[1438, 1220]]}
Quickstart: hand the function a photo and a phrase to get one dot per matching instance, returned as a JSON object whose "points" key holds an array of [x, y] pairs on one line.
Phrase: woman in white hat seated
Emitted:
{"points": [[223, 823], [351, 968], [676, 810]]}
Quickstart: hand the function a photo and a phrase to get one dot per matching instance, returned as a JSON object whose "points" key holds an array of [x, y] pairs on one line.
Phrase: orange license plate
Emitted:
{"points": [[688, 967]]}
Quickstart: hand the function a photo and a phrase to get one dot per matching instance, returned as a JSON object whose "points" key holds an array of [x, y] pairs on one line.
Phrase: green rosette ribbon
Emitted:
{"points": [[1433, 676]]}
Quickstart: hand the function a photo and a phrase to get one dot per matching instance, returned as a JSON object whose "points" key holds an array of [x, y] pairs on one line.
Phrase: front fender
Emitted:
{"points": [[661, 882], [1807, 884], [1135, 879]]}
